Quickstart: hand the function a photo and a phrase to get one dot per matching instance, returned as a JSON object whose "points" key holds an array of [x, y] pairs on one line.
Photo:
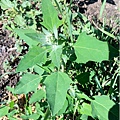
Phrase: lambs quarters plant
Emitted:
{"points": [[53, 71]]}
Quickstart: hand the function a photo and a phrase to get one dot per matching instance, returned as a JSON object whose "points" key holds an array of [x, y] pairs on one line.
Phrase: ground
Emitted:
{"points": [[9, 57]]}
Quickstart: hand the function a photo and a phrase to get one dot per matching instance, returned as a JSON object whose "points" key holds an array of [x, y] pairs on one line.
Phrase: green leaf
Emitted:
{"points": [[84, 117], [35, 98], [56, 55], [83, 78], [39, 37], [11, 118], [115, 112], [50, 16], [86, 109], [61, 111], [26, 4], [22, 34], [10, 89], [11, 104], [6, 4], [34, 56], [88, 48], [57, 85], [27, 83], [83, 96], [38, 70], [13, 112], [101, 107], [19, 20], [34, 116], [4, 110], [114, 52]]}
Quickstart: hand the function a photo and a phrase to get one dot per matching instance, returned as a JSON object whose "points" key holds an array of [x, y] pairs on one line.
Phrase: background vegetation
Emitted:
{"points": [[70, 69]]}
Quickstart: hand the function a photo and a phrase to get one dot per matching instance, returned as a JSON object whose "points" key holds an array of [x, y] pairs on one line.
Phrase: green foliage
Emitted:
{"points": [[50, 17], [4, 110], [22, 33], [90, 49], [86, 109], [35, 98], [5, 4], [64, 72], [27, 84], [64, 107], [102, 104], [55, 55], [34, 56], [39, 37], [34, 116], [57, 85]]}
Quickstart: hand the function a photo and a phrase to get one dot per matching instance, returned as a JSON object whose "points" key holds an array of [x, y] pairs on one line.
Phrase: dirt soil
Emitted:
{"points": [[91, 8], [111, 13], [9, 57], [8, 63]]}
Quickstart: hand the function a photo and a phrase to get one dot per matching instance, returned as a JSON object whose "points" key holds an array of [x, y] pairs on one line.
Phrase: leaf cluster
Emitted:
{"points": [[64, 73]]}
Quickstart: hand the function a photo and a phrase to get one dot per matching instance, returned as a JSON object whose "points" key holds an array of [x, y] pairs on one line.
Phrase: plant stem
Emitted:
{"points": [[102, 8], [99, 86]]}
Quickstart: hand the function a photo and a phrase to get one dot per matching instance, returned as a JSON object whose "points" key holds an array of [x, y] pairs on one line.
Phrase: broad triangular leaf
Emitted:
{"points": [[50, 16], [101, 108], [88, 48], [56, 55], [34, 56], [27, 83], [57, 85], [22, 34]]}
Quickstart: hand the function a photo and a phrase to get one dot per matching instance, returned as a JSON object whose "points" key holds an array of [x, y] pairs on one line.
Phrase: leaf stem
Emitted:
{"points": [[103, 31], [102, 8], [99, 86]]}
